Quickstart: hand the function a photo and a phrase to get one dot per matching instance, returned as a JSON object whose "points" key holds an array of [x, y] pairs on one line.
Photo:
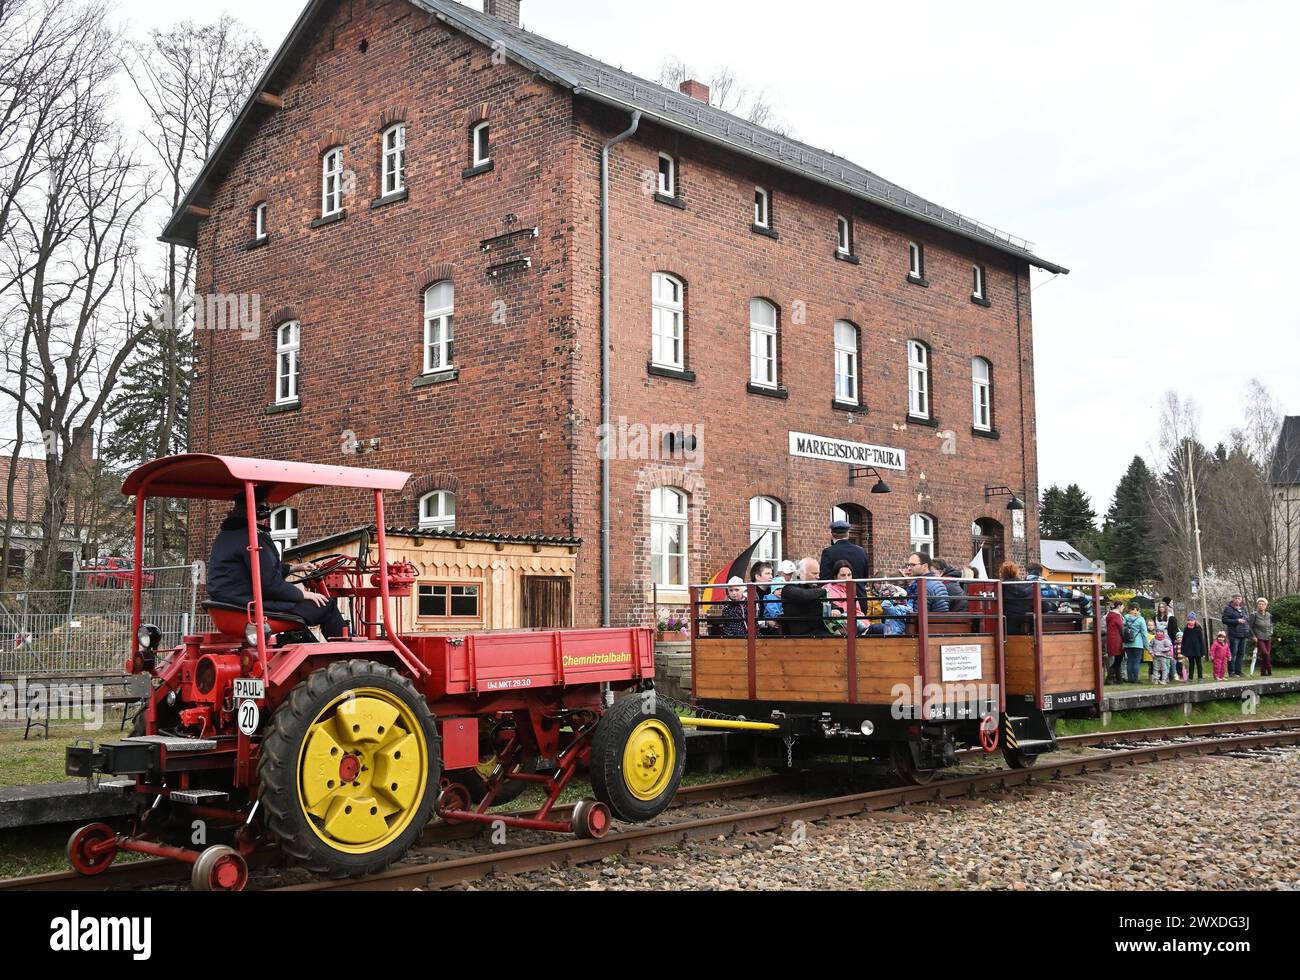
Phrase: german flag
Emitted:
{"points": [[739, 568]]}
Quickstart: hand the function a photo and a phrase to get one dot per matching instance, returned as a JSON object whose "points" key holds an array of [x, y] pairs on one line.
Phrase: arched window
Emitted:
{"points": [[284, 528], [982, 394], [331, 192], [438, 511], [846, 362], [923, 534], [918, 379], [669, 511], [765, 526], [288, 367], [439, 330], [762, 343], [394, 159], [668, 344]]}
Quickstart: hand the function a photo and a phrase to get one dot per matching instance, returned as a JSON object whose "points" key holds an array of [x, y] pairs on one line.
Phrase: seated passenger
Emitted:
{"points": [[801, 603], [936, 592], [768, 598], [837, 609], [1017, 600], [894, 612], [957, 600], [733, 610]]}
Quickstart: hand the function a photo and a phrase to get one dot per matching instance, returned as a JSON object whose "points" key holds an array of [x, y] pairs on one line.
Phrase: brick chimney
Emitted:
{"points": [[696, 90], [506, 10]]}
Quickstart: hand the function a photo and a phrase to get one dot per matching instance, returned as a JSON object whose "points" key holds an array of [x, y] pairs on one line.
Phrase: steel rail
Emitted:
{"points": [[570, 852]]}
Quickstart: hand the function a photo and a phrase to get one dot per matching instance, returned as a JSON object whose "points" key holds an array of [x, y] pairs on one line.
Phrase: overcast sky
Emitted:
{"points": [[1151, 147]]}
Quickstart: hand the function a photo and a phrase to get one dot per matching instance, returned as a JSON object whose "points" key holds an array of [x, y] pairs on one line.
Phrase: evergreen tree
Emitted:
{"points": [[1078, 521], [1129, 538], [1049, 513]]}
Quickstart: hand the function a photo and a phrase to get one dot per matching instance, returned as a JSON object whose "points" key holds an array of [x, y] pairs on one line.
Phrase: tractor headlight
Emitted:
{"points": [[149, 636], [250, 633]]}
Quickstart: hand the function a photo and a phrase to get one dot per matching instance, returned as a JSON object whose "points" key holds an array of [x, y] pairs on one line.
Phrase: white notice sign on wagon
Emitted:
{"points": [[962, 663]]}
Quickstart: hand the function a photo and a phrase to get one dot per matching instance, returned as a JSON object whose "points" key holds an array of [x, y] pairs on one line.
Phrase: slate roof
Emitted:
{"points": [[345, 537], [1285, 468], [589, 78], [1061, 556]]}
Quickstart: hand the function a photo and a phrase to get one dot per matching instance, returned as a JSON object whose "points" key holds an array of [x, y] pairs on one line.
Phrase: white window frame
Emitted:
{"points": [[259, 221], [668, 321], [668, 181], [843, 236], [846, 363], [284, 528], [669, 511], [763, 345], [439, 327], [288, 365], [767, 526], [918, 380], [762, 207], [981, 394], [977, 282], [394, 142], [331, 184], [922, 534], [481, 160], [438, 511], [915, 260]]}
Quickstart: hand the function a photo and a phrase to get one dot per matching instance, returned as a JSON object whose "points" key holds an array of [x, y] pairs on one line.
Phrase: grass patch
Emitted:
{"points": [[1275, 706], [38, 759]]}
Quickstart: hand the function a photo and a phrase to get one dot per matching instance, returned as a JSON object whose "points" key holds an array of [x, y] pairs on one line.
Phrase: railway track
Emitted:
{"points": [[1127, 748]]}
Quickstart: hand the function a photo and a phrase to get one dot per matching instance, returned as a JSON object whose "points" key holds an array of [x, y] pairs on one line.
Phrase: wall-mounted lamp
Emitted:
{"points": [[1014, 504], [862, 472]]}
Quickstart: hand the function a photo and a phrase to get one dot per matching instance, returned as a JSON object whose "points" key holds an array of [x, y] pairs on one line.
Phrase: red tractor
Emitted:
{"points": [[340, 752]]}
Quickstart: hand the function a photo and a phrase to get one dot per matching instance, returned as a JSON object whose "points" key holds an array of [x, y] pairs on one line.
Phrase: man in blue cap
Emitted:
{"points": [[842, 549]]}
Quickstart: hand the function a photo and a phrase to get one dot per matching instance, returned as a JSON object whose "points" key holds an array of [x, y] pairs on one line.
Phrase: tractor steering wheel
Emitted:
{"points": [[326, 564]]}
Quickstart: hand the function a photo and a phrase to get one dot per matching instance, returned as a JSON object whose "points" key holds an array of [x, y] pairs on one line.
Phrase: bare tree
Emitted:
{"points": [[728, 93], [1176, 497], [192, 81], [71, 246]]}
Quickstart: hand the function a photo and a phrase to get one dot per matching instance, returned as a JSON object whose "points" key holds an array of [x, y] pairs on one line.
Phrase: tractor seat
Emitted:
{"points": [[230, 618]]}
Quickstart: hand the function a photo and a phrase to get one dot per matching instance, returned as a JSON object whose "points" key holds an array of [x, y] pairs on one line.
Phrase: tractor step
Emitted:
{"points": [[1036, 745], [174, 743], [196, 796], [116, 786]]}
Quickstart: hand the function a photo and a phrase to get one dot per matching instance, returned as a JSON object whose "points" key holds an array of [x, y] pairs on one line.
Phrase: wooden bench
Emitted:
{"points": [[119, 689]]}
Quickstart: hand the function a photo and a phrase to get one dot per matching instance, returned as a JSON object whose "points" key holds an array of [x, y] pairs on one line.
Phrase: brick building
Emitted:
{"points": [[413, 196]]}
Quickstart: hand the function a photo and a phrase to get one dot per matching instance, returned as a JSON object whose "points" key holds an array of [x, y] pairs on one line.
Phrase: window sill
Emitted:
{"points": [[848, 257], [256, 243], [840, 406], [330, 219], [482, 168], [918, 280], [280, 408], [392, 198], [754, 389], [658, 371], [980, 302], [672, 202], [930, 423], [985, 433], [673, 595], [436, 378], [760, 230]]}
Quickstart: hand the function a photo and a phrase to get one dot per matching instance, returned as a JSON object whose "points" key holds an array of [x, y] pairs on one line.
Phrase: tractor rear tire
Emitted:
{"points": [[638, 755], [350, 769]]}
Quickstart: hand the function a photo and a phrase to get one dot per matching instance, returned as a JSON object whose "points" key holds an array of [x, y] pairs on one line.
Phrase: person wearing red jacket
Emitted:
{"points": [[1115, 642]]}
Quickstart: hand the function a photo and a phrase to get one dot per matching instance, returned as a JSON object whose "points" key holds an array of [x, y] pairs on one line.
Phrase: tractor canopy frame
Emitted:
{"points": [[200, 476]]}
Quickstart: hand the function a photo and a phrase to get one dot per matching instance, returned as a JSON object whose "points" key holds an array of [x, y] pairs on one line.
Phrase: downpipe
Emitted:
{"points": [[604, 363]]}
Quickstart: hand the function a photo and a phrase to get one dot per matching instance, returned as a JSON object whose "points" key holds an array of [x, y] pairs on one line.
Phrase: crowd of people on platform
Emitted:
{"points": [[1179, 654], [812, 597]]}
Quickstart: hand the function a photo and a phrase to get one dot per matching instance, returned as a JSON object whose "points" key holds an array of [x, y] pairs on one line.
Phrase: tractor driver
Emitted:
{"points": [[230, 576]]}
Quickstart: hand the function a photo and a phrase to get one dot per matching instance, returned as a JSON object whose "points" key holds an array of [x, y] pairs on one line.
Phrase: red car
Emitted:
{"points": [[113, 573]]}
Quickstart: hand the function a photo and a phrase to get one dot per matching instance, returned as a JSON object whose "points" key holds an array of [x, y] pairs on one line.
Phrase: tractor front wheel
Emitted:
{"points": [[638, 754], [350, 769]]}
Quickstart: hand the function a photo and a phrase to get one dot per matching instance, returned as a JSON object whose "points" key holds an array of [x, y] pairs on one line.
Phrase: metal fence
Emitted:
{"points": [[87, 627]]}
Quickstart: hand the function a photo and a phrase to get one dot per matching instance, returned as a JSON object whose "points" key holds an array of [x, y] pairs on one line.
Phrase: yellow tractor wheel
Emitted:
{"points": [[638, 754], [350, 769]]}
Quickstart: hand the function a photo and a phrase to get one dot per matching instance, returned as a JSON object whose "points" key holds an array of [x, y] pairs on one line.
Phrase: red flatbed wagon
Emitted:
{"points": [[341, 751]]}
